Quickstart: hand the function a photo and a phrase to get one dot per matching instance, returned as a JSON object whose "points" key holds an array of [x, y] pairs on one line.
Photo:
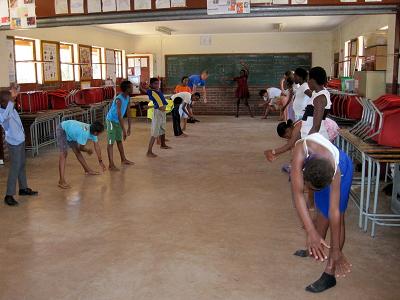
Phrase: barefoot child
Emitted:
{"points": [[116, 131], [159, 120], [242, 90], [185, 108], [320, 166], [271, 98], [74, 134], [15, 139]]}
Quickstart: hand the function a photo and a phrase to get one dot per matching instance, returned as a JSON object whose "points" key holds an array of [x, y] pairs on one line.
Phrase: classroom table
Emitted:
{"points": [[371, 157]]}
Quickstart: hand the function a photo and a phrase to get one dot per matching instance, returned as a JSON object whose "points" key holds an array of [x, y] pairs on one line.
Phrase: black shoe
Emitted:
{"points": [[9, 200], [196, 120], [28, 192], [191, 121]]}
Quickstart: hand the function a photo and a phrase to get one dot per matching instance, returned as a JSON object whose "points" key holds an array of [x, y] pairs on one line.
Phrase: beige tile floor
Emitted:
{"points": [[209, 219]]}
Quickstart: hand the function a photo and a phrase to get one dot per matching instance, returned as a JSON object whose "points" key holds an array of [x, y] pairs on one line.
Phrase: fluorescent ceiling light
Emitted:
{"points": [[384, 28], [164, 30]]}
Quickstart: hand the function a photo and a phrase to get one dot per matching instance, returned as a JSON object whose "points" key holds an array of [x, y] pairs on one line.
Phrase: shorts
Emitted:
{"points": [[114, 132], [322, 198], [158, 123], [62, 142], [182, 114]]}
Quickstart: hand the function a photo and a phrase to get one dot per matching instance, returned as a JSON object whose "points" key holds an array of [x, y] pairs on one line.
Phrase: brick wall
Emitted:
{"points": [[222, 101]]}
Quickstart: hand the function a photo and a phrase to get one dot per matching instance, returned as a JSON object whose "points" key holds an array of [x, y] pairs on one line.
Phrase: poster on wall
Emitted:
{"points": [[94, 6], [85, 60], [110, 65], [61, 7], [163, 4], [299, 2], [178, 3], [11, 61], [123, 5], [216, 7], [77, 6], [142, 4], [22, 14], [109, 5], [50, 58], [280, 1], [4, 13]]}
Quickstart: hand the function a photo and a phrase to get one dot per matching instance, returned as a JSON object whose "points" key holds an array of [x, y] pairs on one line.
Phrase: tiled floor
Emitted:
{"points": [[209, 219]]}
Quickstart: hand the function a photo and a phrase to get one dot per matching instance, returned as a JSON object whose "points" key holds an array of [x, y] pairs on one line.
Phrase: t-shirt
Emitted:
{"points": [[157, 98], [300, 100], [273, 93], [186, 97], [182, 88], [112, 114], [78, 132], [195, 80]]}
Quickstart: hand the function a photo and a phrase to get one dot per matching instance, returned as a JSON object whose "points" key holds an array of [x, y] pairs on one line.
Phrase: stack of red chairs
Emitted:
{"points": [[58, 99], [346, 106], [108, 92], [389, 105], [33, 101], [334, 83], [91, 95]]}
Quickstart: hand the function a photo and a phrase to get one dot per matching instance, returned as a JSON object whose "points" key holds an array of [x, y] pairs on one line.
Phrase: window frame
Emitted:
{"points": [[72, 63], [100, 63], [118, 66], [25, 61]]}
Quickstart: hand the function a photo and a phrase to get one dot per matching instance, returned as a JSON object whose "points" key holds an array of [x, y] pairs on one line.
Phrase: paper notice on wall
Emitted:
{"points": [[50, 62], [11, 61], [178, 3], [123, 5], [261, 1], [61, 7], [227, 7], [22, 14], [138, 71], [137, 62], [94, 6], [142, 4], [299, 2], [76, 6], [280, 1], [143, 62], [109, 5], [163, 4], [131, 62], [4, 13]]}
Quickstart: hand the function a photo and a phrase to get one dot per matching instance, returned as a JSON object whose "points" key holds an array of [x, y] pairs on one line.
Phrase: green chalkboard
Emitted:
{"points": [[264, 68]]}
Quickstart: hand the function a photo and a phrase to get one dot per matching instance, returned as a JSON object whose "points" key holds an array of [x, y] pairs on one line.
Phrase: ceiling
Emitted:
{"points": [[234, 25]]}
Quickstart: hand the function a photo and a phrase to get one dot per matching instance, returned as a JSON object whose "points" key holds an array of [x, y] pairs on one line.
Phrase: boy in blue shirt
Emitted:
{"points": [[159, 121], [196, 81], [15, 138], [115, 124], [74, 134]]}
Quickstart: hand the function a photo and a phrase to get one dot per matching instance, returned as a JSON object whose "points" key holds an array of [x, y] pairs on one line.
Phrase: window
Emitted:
{"points": [[67, 60], [25, 64], [96, 62], [118, 63]]}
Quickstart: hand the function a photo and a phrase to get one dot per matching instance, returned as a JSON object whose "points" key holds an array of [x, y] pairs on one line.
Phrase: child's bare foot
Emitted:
{"points": [[113, 168], [127, 162], [91, 172], [64, 185], [151, 154], [165, 147]]}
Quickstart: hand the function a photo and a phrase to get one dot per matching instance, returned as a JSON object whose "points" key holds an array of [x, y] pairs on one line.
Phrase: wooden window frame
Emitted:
{"points": [[72, 63], [34, 60], [117, 65]]}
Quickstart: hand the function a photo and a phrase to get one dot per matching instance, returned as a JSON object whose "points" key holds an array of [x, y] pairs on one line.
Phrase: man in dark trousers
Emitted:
{"points": [[15, 138]]}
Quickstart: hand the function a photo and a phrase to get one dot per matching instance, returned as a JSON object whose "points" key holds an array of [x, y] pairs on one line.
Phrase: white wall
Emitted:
{"points": [[364, 26], [318, 43], [86, 35]]}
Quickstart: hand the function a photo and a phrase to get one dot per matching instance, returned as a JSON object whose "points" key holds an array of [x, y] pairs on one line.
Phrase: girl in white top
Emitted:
{"points": [[318, 106], [320, 166], [302, 93]]}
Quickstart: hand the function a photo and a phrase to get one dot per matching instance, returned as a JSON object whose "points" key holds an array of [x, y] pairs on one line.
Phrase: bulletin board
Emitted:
{"points": [[85, 62], [51, 61]]}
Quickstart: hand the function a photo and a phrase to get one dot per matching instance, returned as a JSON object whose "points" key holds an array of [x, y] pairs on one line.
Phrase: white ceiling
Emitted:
{"points": [[233, 25]]}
